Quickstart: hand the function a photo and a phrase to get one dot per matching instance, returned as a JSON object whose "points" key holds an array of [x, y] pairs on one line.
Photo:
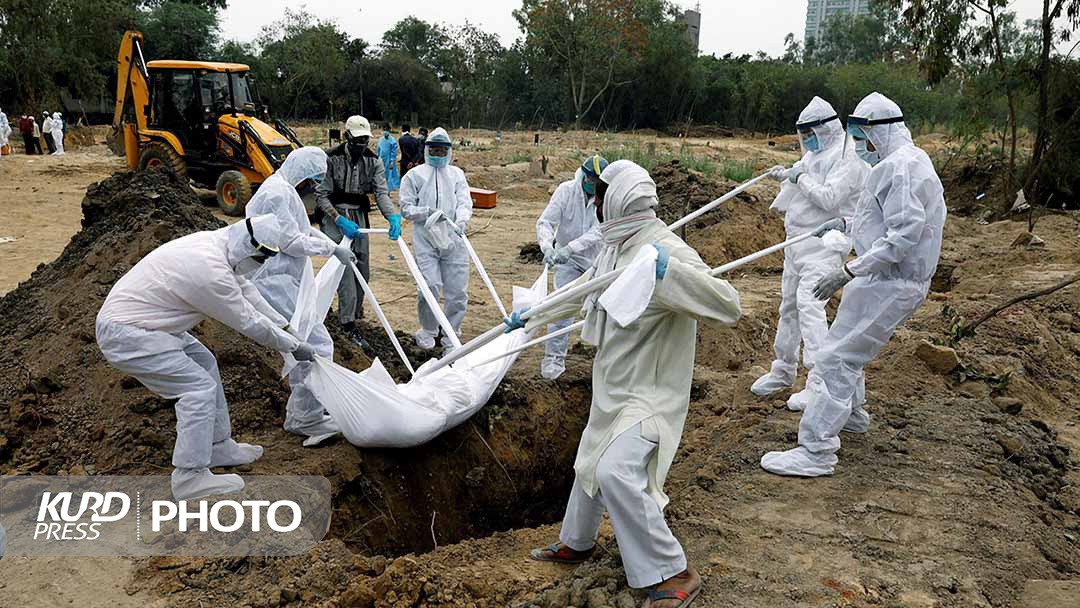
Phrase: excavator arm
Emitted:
{"points": [[132, 95]]}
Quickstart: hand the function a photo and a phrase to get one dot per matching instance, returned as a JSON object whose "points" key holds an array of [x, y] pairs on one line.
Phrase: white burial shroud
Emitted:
{"points": [[372, 410]]}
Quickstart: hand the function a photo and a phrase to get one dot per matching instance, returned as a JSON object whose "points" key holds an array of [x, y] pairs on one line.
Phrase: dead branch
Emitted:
{"points": [[969, 328]]}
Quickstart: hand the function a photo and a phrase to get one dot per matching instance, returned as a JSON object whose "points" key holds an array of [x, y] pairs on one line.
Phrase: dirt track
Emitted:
{"points": [[962, 494]]}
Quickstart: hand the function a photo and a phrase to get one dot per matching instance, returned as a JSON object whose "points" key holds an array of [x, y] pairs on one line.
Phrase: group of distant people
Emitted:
{"points": [[51, 129]]}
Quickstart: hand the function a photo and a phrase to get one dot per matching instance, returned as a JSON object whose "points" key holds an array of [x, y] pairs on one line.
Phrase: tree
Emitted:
{"points": [[860, 38], [417, 38], [302, 58], [587, 41], [180, 30]]}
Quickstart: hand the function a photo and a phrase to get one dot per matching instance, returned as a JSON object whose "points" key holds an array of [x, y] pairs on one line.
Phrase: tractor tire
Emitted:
{"points": [[157, 154], [233, 193]]}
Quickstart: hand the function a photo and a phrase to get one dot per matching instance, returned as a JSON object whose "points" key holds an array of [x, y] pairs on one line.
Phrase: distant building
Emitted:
{"points": [[692, 19], [819, 11]]}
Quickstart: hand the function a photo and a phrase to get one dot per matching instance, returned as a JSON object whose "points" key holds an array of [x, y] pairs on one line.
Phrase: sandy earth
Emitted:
{"points": [[930, 509]]}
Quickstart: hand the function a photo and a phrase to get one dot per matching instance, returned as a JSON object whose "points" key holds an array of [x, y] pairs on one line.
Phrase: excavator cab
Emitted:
{"points": [[199, 119]]}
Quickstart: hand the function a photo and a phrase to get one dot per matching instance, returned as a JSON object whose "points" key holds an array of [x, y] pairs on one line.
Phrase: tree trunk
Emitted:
{"points": [[1043, 74]]}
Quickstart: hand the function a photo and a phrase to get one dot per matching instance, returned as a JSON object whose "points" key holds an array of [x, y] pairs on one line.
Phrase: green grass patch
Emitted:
{"points": [[519, 157], [649, 156], [737, 170]]}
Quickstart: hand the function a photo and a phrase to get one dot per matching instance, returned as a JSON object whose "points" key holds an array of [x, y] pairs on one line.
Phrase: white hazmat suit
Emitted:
{"points": [[827, 186], [569, 220], [5, 129], [58, 132], [641, 382], [440, 253], [143, 330], [279, 280], [897, 229]]}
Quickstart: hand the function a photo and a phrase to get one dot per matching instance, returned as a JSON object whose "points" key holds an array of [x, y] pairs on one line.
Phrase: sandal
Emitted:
{"points": [[672, 594], [560, 554]]}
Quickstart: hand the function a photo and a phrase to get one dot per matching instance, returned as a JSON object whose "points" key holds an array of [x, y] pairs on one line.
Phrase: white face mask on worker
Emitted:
{"points": [[138, 516]]}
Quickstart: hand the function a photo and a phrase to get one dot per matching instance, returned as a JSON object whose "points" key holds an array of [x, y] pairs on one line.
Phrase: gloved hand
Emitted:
{"points": [[514, 321], [395, 226], [562, 255], [433, 217], [662, 259], [347, 226], [344, 255], [420, 214], [777, 173], [833, 224], [461, 227], [831, 283], [549, 254], [793, 174], [304, 352]]}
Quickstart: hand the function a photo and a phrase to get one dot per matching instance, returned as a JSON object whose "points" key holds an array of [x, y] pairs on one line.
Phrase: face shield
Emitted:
{"points": [[813, 135], [869, 136]]}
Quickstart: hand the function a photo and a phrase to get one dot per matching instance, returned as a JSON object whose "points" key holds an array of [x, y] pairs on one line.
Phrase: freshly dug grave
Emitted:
{"points": [[63, 409]]}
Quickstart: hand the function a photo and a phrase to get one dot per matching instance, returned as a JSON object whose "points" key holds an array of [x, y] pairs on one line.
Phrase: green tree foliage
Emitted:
{"points": [[179, 30], [301, 62]]}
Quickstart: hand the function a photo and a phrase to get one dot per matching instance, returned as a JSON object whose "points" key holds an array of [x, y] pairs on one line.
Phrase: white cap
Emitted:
{"points": [[357, 126]]}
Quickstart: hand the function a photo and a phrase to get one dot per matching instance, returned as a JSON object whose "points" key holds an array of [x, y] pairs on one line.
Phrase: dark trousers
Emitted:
{"points": [[49, 142], [350, 294], [29, 143]]}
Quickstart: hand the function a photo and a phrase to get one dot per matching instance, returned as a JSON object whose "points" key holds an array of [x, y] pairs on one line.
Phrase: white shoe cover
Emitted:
{"points": [[552, 369], [799, 462], [425, 340], [192, 484], [229, 453], [770, 383], [800, 400], [858, 422], [317, 428]]}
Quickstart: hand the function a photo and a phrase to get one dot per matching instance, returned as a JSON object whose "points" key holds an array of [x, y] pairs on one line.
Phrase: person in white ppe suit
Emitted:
{"points": [[143, 329], [569, 236], [58, 132], [823, 185], [641, 387], [5, 130], [435, 198], [279, 280], [897, 229]]}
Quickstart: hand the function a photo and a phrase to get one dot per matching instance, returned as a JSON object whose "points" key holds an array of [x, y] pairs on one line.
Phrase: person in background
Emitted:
{"points": [[569, 235], [410, 150], [423, 138], [388, 152], [343, 199], [27, 131], [435, 197], [46, 129], [5, 130], [37, 135], [58, 133]]}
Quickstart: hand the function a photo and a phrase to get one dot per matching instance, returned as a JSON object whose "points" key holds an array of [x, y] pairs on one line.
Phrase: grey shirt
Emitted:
{"points": [[349, 186]]}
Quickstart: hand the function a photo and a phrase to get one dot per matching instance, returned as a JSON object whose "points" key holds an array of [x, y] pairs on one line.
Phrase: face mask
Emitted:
{"points": [[871, 158], [438, 161], [588, 187], [386, 134], [811, 143]]}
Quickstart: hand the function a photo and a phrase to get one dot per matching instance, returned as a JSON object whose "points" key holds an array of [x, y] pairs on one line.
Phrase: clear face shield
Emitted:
{"points": [[870, 137], [812, 135]]}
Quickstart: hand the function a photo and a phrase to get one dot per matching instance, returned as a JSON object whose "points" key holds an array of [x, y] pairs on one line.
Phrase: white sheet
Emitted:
{"points": [[374, 411]]}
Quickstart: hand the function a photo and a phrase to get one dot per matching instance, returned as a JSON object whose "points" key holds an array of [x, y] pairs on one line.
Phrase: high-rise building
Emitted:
{"points": [[692, 19], [820, 11]]}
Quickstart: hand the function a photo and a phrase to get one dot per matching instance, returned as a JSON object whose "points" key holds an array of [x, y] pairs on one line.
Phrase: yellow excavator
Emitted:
{"points": [[199, 119]]}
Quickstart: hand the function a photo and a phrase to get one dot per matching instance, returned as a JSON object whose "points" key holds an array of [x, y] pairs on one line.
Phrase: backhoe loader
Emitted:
{"points": [[200, 120]]}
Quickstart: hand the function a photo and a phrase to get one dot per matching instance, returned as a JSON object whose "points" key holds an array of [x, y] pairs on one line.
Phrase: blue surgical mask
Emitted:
{"points": [[871, 158], [438, 161], [588, 187], [810, 143]]}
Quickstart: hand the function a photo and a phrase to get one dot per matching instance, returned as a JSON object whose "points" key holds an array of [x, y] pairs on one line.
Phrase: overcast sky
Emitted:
{"points": [[727, 26]]}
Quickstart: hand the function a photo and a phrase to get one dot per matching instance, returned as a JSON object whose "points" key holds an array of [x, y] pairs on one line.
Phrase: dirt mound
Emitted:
{"points": [[530, 253]]}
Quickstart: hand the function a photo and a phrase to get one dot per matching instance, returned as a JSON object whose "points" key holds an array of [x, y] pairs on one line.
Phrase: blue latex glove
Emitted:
{"points": [[514, 321], [348, 227], [662, 258], [395, 226]]}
